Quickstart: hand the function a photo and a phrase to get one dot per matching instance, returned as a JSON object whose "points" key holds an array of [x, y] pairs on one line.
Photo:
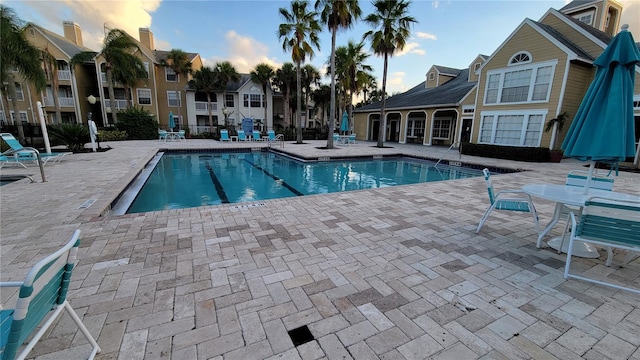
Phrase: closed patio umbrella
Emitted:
{"points": [[344, 125], [172, 122], [603, 128]]}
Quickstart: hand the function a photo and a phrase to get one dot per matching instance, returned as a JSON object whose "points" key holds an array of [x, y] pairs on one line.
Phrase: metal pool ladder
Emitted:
{"points": [[453, 146]]}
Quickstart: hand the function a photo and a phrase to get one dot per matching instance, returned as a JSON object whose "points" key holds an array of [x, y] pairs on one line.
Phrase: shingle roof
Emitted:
{"points": [[61, 42], [447, 70], [602, 36], [576, 3], [451, 93], [566, 42]]}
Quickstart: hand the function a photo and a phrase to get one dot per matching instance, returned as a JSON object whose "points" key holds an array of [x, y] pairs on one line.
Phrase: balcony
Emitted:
{"points": [[120, 104], [64, 75], [201, 107], [64, 101]]}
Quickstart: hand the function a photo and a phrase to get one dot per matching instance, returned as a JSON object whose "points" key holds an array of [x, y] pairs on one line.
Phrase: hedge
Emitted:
{"points": [[518, 153]]}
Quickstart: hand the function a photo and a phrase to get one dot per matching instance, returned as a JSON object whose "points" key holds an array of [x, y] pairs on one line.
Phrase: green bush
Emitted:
{"points": [[518, 153], [138, 124], [111, 135], [73, 136]]}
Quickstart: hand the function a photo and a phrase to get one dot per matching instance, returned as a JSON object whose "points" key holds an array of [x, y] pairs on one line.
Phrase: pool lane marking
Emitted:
{"points": [[219, 189], [284, 183]]}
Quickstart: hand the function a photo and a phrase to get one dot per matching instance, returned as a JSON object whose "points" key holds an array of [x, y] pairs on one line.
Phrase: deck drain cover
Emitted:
{"points": [[248, 206], [87, 203], [300, 335]]}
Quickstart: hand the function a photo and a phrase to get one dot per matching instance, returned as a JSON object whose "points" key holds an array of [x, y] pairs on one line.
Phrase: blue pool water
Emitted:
{"points": [[191, 179]]}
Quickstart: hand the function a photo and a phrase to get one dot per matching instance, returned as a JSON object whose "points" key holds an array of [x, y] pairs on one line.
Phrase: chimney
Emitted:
{"points": [[146, 38], [72, 32]]}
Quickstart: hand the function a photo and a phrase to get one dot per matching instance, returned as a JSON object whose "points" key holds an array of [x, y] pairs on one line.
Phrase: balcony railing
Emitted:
{"points": [[119, 104], [64, 75], [64, 101], [201, 107]]}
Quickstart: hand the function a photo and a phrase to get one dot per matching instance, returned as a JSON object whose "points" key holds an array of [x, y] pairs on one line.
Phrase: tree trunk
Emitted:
{"points": [[299, 105], [11, 90], [287, 116], [332, 106], [112, 98], [210, 114], [383, 126]]}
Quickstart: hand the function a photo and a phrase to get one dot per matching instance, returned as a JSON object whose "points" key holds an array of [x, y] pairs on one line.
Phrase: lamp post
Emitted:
{"points": [[93, 130]]}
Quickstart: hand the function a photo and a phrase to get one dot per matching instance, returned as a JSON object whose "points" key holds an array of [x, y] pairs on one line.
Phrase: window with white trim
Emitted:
{"points": [[256, 100], [19, 93], [229, 101], [170, 75], [586, 18], [520, 58], [441, 129], [512, 128], [3, 120], [144, 96], [432, 76], [22, 115], [173, 98], [146, 68], [524, 84]]}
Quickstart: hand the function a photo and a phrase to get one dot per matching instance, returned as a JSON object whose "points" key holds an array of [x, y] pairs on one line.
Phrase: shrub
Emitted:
{"points": [[111, 135], [518, 153], [138, 124], [73, 136]]}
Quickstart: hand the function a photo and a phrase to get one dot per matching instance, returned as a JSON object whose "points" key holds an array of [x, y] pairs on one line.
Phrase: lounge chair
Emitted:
{"points": [[47, 158], [182, 135], [507, 200], [162, 135], [256, 136], [351, 140], [10, 160], [241, 136], [608, 223], [42, 298], [224, 135], [272, 135]]}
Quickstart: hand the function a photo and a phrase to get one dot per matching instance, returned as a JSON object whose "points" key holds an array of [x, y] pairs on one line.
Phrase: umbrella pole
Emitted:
{"points": [[589, 176]]}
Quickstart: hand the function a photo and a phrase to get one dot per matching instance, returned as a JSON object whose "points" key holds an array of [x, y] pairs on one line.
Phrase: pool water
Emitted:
{"points": [[190, 179]]}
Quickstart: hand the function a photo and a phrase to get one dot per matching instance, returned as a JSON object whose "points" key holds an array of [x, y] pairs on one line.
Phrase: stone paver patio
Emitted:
{"points": [[391, 273]]}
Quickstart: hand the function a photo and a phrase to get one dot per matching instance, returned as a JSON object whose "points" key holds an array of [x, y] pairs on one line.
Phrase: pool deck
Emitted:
{"points": [[391, 273]]}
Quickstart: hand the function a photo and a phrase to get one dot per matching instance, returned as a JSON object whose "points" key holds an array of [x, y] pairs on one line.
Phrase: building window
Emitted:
{"points": [[415, 128], [19, 93], [586, 18], [520, 58], [515, 129], [229, 101], [144, 96], [22, 115], [529, 84], [173, 98], [146, 68], [170, 75], [432, 76], [441, 129], [256, 100], [476, 66]]}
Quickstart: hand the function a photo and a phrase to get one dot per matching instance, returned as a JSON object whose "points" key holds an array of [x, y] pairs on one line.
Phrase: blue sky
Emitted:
{"points": [[448, 33]]}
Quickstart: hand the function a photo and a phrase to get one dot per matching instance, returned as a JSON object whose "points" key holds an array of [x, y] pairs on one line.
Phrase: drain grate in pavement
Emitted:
{"points": [[87, 203], [300, 335]]}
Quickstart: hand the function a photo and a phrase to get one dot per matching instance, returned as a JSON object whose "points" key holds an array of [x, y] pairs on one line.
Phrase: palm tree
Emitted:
{"points": [[310, 77], [299, 34], [17, 55], [368, 86], [337, 14], [321, 97], [263, 73], [204, 80], [129, 74], [393, 22], [225, 73], [285, 81], [353, 70], [178, 61], [51, 72]]}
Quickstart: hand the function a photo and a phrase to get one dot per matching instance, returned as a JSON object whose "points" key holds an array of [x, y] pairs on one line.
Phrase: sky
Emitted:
{"points": [[448, 33]]}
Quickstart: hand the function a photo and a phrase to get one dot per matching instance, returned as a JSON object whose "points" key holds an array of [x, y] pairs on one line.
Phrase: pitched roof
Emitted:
{"points": [[576, 4], [565, 41], [600, 35], [447, 70], [64, 44], [233, 86], [451, 93], [161, 55]]}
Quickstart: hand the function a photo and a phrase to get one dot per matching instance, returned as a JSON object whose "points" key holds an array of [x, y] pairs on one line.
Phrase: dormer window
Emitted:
{"points": [[476, 66], [432, 76], [520, 58]]}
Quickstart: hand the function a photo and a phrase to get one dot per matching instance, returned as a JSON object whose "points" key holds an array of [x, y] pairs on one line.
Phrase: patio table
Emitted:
{"points": [[574, 196]]}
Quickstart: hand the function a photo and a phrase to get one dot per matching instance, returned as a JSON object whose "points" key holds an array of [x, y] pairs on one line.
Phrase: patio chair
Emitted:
{"points": [[241, 136], [507, 200], [10, 160], [182, 135], [42, 298], [351, 140], [608, 223], [256, 135], [162, 135], [224, 135], [272, 135]]}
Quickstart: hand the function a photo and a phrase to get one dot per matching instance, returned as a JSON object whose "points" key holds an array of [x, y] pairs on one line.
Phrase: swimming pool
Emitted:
{"points": [[182, 180]]}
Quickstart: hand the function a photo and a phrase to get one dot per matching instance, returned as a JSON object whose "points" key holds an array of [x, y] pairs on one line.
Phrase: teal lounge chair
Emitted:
{"points": [[241, 136], [162, 135], [182, 135], [507, 200], [10, 160], [41, 299], [272, 135], [16, 147], [256, 135], [224, 135]]}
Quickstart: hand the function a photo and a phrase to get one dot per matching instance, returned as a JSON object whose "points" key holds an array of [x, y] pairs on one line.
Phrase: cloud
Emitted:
{"points": [[244, 53], [424, 35], [395, 82], [411, 48]]}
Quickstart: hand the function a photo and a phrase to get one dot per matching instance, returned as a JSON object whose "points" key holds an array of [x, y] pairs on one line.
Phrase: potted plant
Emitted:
{"points": [[555, 155]]}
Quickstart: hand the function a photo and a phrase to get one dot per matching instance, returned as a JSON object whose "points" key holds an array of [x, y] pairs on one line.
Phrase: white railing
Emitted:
{"points": [[64, 75], [64, 101], [119, 104], [201, 107]]}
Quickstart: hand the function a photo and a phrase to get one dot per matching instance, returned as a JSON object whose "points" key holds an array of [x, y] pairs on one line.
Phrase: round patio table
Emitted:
{"points": [[573, 196]]}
